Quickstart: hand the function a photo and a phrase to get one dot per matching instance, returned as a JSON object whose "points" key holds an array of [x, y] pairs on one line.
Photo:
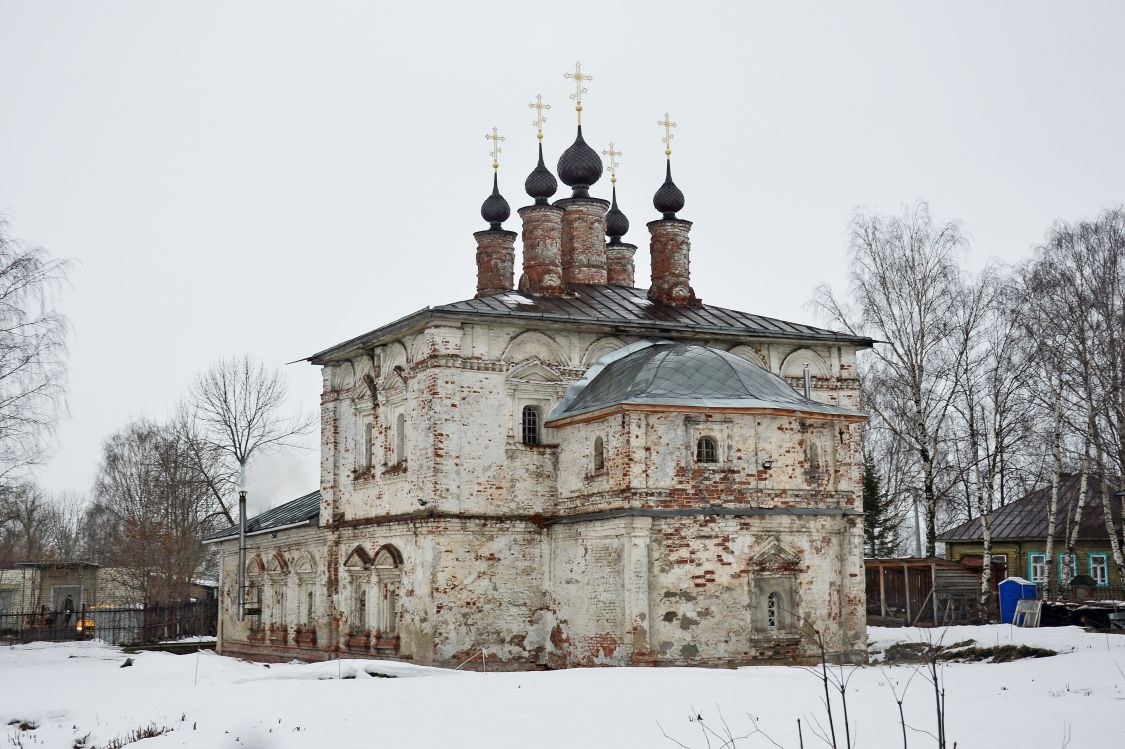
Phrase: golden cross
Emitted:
{"points": [[667, 124], [578, 77], [612, 163], [495, 137], [539, 106]]}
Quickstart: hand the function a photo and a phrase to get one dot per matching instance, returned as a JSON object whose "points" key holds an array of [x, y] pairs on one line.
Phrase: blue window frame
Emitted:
{"points": [[1098, 565], [1037, 567], [1073, 566]]}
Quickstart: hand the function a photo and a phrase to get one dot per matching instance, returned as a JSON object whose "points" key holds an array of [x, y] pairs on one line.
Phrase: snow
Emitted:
{"points": [[74, 689], [514, 298]]}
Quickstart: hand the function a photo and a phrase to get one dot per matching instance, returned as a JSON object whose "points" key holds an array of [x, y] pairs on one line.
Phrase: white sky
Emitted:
{"points": [[276, 177]]}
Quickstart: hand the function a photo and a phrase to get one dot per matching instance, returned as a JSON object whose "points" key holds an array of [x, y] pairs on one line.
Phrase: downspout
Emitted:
{"points": [[242, 544], [808, 383]]}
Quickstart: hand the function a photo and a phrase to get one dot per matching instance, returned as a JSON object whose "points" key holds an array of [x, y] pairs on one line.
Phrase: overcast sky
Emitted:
{"points": [[276, 177]]}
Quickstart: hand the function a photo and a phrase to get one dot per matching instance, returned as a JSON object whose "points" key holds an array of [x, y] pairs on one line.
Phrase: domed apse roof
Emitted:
{"points": [[658, 372]]}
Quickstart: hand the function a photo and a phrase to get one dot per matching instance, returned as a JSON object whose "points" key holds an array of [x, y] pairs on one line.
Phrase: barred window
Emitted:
{"points": [[772, 612], [530, 419], [599, 454], [707, 450]]}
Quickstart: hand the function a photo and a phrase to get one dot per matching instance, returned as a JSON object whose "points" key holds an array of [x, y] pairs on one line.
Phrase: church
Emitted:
{"points": [[568, 470]]}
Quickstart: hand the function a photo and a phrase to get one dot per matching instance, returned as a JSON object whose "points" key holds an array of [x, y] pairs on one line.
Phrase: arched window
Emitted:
{"points": [[599, 454], [530, 419], [388, 576], [707, 450], [773, 612], [400, 438]]}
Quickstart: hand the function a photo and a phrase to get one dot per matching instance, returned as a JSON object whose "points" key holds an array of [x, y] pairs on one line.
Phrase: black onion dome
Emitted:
{"points": [[540, 184], [668, 199], [580, 167], [616, 224], [495, 210]]}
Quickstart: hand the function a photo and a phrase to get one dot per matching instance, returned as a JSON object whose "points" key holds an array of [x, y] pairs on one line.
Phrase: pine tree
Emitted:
{"points": [[880, 526]]}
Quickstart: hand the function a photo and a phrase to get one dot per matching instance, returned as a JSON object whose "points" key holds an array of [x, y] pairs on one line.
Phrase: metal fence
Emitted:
{"points": [[136, 625]]}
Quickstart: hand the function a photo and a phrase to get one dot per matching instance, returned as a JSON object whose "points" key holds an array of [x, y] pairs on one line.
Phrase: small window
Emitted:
{"points": [[530, 419], [707, 450], [1064, 578], [310, 614], [773, 612], [400, 438], [1099, 569], [599, 454], [1037, 568], [368, 445]]}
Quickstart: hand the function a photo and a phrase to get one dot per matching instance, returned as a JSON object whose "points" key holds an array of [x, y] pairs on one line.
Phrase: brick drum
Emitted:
{"points": [[619, 264], [542, 248], [496, 258], [671, 275], [583, 240]]}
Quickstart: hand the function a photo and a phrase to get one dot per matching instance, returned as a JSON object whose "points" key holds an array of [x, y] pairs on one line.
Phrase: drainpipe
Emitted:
{"points": [[808, 383], [242, 544]]}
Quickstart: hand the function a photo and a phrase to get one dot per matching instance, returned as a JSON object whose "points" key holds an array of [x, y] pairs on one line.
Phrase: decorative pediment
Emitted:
{"points": [[771, 552], [358, 559], [534, 370]]}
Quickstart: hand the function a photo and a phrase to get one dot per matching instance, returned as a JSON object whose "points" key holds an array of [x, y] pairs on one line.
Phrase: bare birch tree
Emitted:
{"points": [[32, 351], [236, 409], [904, 289]]}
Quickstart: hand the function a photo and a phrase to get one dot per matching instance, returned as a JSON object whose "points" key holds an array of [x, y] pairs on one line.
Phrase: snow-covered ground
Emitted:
{"points": [[70, 690]]}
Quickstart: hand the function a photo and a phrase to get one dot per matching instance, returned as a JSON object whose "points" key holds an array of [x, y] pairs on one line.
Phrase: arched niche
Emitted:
{"points": [[532, 343], [600, 348], [343, 376], [749, 354], [793, 365]]}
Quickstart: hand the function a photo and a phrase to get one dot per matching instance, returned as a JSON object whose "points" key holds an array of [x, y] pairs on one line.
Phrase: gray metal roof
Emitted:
{"points": [[304, 509], [615, 306], [658, 372], [1026, 518]]}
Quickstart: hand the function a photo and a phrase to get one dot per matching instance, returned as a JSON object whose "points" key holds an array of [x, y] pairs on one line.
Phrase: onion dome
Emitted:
{"points": [[540, 184], [616, 224], [580, 167], [668, 199], [495, 210]]}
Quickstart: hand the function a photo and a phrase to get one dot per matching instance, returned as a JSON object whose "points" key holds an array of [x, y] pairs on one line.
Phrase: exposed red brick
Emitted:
{"points": [[670, 249], [583, 240], [542, 250], [496, 257], [619, 264]]}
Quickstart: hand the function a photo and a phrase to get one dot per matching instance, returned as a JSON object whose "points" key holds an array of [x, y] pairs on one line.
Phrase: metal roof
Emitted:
{"points": [[609, 305], [667, 373], [1026, 518], [304, 509]]}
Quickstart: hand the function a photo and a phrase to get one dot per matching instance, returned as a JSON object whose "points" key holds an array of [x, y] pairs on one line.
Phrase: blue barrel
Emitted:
{"points": [[1012, 590]]}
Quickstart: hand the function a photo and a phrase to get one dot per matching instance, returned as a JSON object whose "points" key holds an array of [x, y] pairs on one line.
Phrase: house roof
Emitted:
{"points": [[667, 373], [607, 305], [1026, 518], [303, 510]]}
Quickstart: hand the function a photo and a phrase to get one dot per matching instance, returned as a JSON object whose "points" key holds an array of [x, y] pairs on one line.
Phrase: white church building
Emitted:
{"points": [[567, 470]]}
